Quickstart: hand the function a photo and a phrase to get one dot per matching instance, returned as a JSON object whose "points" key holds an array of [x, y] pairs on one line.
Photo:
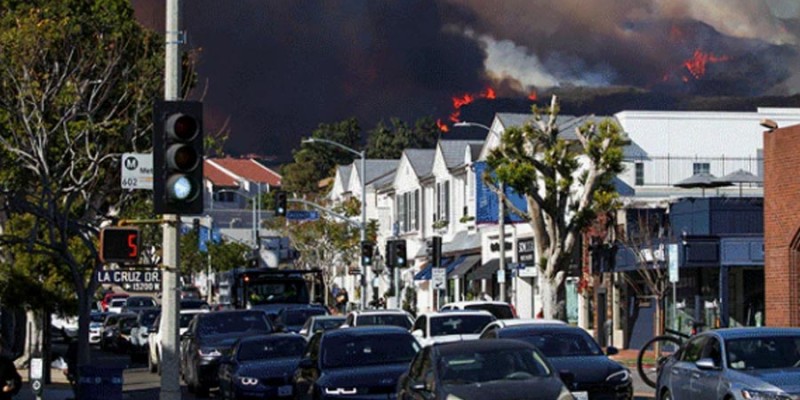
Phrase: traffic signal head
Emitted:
{"points": [[178, 157], [280, 203], [434, 250], [400, 260], [367, 252]]}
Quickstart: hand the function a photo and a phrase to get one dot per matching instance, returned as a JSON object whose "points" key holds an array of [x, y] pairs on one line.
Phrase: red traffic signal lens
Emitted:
{"points": [[182, 157], [182, 127]]}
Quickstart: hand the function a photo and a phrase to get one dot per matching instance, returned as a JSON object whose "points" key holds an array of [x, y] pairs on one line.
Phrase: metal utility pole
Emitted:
{"points": [[170, 381], [501, 221], [209, 287]]}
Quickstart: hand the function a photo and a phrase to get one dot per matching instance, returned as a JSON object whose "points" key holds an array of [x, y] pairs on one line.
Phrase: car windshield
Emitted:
{"points": [[118, 302], [97, 317], [220, 323], [491, 365], [561, 343], [348, 351], [500, 311], [299, 317], [763, 352], [384, 319], [459, 324], [275, 292], [272, 348], [328, 323], [140, 302]]}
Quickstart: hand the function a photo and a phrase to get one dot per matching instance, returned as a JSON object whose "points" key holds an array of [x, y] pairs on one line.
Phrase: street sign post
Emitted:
{"points": [[302, 215], [137, 171], [672, 256]]}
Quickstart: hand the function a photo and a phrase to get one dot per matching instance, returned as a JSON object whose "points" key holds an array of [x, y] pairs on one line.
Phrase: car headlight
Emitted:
{"points": [[750, 394], [619, 376], [209, 352], [453, 397], [565, 394], [338, 391], [246, 381]]}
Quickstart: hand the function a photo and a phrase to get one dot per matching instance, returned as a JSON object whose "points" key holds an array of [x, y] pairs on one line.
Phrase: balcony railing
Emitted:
{"points": [[668, 170]]}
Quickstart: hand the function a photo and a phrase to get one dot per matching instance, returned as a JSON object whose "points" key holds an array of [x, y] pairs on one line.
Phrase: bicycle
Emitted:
{"points": [[661, 347]]}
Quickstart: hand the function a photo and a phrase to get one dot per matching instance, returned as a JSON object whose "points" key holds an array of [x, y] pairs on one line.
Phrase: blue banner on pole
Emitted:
{"points": [[486, 200], [208, 235], [302, 215]]}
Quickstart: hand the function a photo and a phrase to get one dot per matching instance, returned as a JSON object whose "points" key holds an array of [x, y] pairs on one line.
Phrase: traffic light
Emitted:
{"points": [[119, 244], [196, 225], [280, 203], [178, 157], [399, 258], [367, 251], [434, 251]]}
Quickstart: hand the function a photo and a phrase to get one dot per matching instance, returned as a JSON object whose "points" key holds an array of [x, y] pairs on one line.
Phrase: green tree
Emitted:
{"points": [[315, 162], [77, 79], [388, 142], [565, 183]]}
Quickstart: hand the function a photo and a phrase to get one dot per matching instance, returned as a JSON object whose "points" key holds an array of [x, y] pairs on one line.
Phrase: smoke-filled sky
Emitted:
{"points": [[275, 69]]}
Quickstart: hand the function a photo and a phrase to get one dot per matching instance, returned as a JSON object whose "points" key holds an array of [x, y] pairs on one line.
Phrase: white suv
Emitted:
{"points": [[379, 317], [500, 310], [450, 326], [154, 339]]}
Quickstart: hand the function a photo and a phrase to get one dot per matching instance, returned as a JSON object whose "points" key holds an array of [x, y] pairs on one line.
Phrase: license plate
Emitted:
{"points": [[284, 390], [580, 395]]}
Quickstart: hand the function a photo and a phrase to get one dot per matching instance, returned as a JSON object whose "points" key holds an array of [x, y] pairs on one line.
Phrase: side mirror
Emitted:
{"points": [[306, 363], [567, 377], [417, 333], [303, 332], [611, 350], [705, 364]]}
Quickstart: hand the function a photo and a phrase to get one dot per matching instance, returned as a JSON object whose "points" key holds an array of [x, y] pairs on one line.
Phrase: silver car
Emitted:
{"points": [[738, 363]]}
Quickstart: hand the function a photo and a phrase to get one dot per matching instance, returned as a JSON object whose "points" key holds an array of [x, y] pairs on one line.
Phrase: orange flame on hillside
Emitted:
{"points": [[442, 126], [697, 64], [533, 96], [467, 98]]}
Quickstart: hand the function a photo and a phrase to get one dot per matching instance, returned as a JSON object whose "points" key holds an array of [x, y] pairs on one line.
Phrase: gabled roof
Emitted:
{"points": [[218, 176], [375, 168], [453, 151], [475, 150], [249, 170], [344, 173], [384, 180], [421, 160]]}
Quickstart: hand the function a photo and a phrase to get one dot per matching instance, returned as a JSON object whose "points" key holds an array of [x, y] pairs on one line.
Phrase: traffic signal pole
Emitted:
{"points": [[170, 380]]}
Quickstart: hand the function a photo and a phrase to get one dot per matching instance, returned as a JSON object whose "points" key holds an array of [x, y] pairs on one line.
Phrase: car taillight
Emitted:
{"points": [[513, 310]]}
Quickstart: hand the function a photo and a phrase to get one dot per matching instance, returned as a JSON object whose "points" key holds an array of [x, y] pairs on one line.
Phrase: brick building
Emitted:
{"points": [[782, 226]]}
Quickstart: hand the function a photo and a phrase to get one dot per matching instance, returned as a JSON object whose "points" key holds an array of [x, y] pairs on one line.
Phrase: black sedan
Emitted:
{"points": [[261, 367], [481, 369], [291, 319], [354, 363], [571, 349]]}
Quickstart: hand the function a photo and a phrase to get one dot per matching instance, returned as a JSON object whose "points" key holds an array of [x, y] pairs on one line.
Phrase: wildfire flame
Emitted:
{"points": [[697, 64], [467, 98], [532, 96]]}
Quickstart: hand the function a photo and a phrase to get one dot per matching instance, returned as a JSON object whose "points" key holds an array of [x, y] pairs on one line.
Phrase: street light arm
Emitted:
{"points": [[465, 124], [326, 210], [332, 143]]}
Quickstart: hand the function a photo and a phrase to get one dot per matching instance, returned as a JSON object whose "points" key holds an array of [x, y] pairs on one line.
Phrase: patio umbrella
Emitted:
{"points": [[741, 176], [703, 181]]}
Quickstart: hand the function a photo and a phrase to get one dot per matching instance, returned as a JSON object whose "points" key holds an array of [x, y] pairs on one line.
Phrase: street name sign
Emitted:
{"points": [[140, 280], [137, 171], [302, 215]]}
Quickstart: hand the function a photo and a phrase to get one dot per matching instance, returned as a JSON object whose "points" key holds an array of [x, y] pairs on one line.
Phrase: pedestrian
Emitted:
{"points": [[10, 378], [341, 301]]}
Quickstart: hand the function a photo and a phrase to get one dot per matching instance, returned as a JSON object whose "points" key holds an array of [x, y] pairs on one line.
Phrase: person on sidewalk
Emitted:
{"points": [[10, 379]]}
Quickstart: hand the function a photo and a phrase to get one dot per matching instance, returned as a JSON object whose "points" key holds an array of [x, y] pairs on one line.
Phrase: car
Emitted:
{"points": [[154, 336], [116, 304], [570, 348], [379, 317], [504, 323], [190, 292], [356, 363], [440, 327], [106, 302], [107, 331], [194, 304], [135, 304], [210, 336], [261, 367], [141, 332], [734, 363], [64, 327], [292, 319], [318, 323], [482, 369], [116, 337], [500, 310], [96, 319]]}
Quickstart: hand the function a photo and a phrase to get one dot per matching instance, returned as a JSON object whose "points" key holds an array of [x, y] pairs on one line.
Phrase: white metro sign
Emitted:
{"points": [[137, 171], [141, 280]]}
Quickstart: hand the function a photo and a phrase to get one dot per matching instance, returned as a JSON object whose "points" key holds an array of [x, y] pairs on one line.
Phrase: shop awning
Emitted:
{"points": [[463, 265], [425, 273], [485, 271]]}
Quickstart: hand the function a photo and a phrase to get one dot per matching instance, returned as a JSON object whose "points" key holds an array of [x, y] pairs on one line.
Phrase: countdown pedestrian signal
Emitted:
{"points": [[119, 245]]}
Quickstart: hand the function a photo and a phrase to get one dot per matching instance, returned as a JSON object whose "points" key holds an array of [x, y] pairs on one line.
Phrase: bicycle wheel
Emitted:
{"points": [[653, 354]]}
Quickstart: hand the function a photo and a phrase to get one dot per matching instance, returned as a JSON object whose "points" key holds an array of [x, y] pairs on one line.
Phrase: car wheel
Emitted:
{"points": [[666, 396]]}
